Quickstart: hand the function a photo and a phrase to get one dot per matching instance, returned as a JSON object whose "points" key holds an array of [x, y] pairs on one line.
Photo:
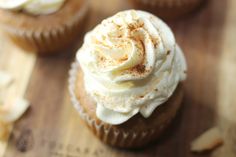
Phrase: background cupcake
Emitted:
{"points": [[43, 26], [168, 8], [125, 82]]}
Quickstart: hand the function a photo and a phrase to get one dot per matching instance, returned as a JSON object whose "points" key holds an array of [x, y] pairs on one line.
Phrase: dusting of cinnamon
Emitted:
{"points": [[101, 58], [139, 68], [155, 41], [135, 25], [123, 58]]}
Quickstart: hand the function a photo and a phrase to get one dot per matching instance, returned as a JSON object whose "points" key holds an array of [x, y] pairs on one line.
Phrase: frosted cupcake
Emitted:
{"points": [[126, 82], [168, 8], [43, 26]]}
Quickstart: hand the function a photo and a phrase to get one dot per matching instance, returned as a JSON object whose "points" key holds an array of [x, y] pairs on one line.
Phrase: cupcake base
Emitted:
{"points": [[45, 34], [168, 9], [137, 131]]}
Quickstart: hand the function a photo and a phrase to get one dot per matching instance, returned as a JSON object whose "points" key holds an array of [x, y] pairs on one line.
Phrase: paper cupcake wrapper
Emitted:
{"points": [[45, 41], [107, 133]]}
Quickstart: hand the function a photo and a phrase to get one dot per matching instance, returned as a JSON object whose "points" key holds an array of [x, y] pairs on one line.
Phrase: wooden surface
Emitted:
{"points": [[52, 127]]}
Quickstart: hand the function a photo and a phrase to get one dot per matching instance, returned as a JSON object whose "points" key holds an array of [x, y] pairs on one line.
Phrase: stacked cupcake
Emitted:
{"points": [[43, 26]]}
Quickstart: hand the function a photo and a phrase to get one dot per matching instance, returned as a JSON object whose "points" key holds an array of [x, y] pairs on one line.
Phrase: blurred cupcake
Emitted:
{"points": [[43, 26], [125, 82], [167, 8]]}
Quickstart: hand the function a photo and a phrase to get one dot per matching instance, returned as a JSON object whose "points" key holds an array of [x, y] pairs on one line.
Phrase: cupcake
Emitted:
{"points": [[167, 8], [126, 82], [43, 26]]}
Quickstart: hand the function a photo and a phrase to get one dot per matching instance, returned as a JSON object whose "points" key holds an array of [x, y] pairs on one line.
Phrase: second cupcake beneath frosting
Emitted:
{"points": [[43, 26]]}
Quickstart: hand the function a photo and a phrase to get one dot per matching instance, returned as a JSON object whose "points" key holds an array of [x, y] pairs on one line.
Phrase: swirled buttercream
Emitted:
{"points": [[131, 64], [35, 7]]}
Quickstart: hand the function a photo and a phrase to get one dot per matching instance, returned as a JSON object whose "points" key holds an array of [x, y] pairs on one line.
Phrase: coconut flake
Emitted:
{"points": [[14, 111], [5, 79], [207, 141]]}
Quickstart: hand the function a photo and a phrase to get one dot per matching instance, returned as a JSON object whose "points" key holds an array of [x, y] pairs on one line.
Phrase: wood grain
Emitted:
{"points": [[52, 127], [18, 65]]}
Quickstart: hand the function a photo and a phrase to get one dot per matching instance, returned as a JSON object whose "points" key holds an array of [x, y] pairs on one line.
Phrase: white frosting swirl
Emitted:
{"points": [[131, 64], [35, 7]]}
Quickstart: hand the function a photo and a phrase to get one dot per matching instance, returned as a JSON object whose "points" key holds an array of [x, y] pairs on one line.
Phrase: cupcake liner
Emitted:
{"points": [[49, 40], [168, 8], [169, 3], [107, 133]]}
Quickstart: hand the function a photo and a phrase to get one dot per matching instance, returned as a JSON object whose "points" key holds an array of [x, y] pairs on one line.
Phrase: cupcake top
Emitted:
{"points": [[35, 7], [131, 65]]}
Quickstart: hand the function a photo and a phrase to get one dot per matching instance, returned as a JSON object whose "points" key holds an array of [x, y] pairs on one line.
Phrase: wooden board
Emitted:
{"points": [[52, 127]]}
